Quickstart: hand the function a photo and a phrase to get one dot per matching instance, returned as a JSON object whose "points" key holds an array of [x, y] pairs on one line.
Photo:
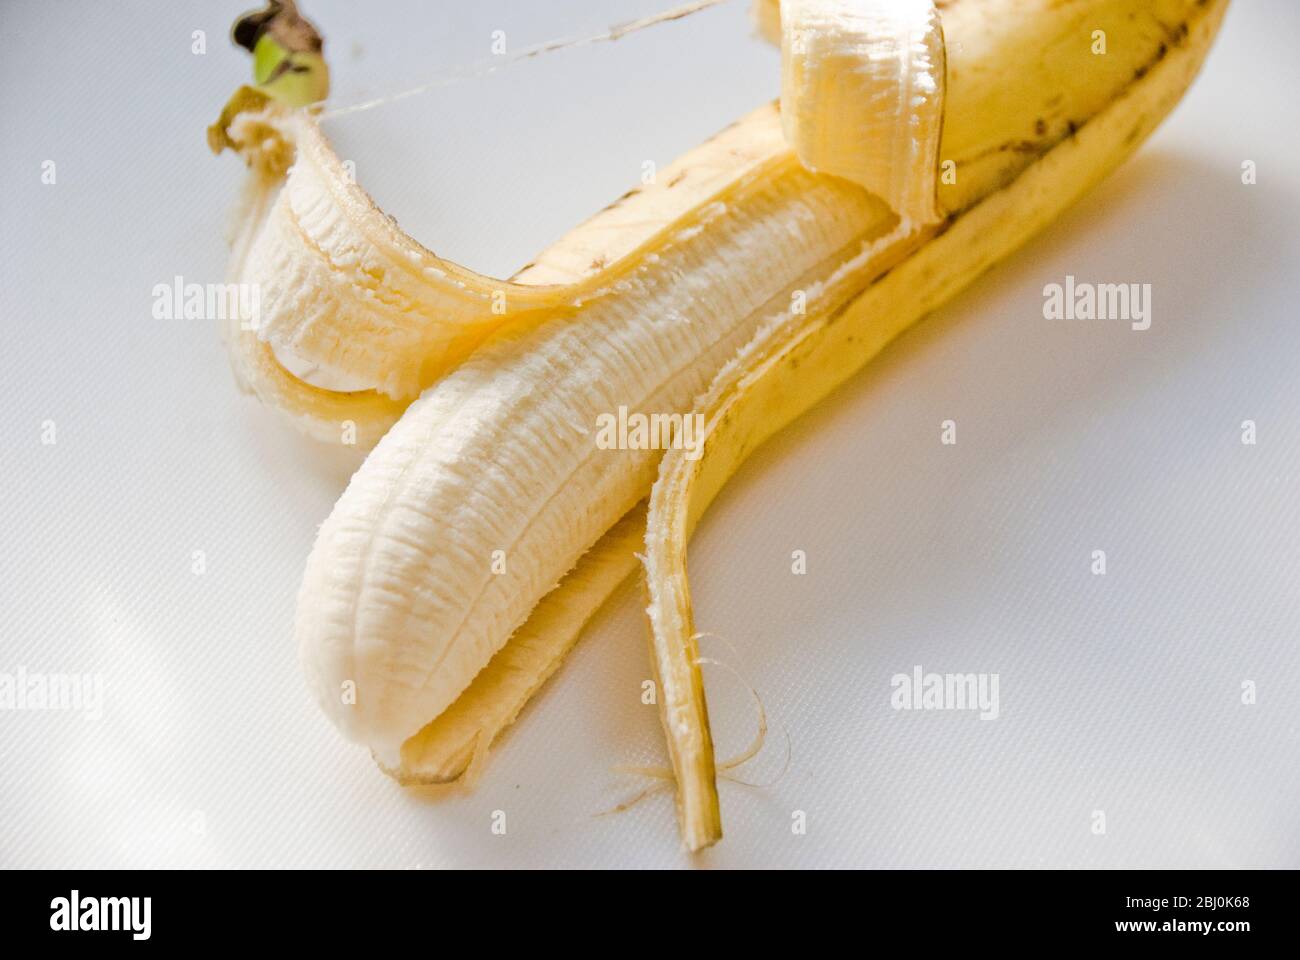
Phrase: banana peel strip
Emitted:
{"points": [[787, 370]]}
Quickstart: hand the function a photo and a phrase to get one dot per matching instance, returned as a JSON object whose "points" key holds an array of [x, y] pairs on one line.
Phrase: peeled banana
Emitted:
{"points": [[487, 523]]}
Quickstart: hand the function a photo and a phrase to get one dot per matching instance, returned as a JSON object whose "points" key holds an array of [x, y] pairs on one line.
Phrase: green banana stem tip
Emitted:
{"points": [[288, 66]]}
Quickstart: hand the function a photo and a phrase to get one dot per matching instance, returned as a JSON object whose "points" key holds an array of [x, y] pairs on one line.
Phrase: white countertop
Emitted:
{"points": [[1119, 693]]}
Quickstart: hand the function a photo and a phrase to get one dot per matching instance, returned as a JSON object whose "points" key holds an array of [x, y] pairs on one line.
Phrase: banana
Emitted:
{"points": [[695, 295]]}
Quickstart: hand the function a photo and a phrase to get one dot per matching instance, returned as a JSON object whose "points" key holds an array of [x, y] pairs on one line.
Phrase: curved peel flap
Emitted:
{"points": [[862, 95]]}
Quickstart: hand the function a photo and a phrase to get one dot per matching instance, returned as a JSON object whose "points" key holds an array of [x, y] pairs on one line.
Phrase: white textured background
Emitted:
{"points": [[1119, 693]]}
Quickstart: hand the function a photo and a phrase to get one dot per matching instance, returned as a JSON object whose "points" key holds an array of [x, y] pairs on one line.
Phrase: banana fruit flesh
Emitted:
{"points": [[488, 488]]}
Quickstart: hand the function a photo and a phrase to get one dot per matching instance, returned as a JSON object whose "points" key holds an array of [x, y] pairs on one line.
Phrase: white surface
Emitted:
{"points": [[1119, 693]]}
